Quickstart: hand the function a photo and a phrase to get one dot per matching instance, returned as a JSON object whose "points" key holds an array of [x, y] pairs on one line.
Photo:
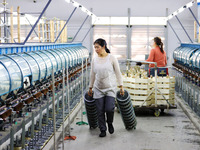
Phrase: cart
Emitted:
{"points": [[158, 105]]}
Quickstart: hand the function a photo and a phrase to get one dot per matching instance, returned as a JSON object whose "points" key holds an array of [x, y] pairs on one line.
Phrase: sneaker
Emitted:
{"points": [[110, 128], [102, 134]]}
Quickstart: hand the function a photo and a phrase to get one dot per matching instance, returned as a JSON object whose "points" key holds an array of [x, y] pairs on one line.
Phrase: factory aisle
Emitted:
{"points": [[170, 131]]}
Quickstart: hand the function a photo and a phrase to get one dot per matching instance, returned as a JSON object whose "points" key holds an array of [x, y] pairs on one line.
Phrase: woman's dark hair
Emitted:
{"points": [[158, 42], [102, 43]]}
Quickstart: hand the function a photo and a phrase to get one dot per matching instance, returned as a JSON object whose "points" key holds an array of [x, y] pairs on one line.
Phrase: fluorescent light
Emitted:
{"points": [[170, 17], [180, 10], [89, 13], [94, 16], [83, 9], [175, 13], [68, 1], [190, 4], [76, 4]]}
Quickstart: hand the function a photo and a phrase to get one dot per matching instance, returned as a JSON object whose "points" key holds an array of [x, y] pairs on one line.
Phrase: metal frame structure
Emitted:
{"points": [[92, 26], [65, 24], [47, 5], [195, 18], [31, 25], [80, 28], [184, 29], [7, 30], [129, 32], [174, 31], [40, 16], [29, 34]]}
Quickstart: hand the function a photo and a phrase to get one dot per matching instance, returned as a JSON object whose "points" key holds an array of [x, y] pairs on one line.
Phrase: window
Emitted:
{"points": [[133, 21], [144, 29], [142, 40], [115, 37]]}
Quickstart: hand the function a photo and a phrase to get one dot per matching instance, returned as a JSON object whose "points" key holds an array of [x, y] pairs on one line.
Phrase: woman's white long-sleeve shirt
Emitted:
{"points": [[104, 75]]}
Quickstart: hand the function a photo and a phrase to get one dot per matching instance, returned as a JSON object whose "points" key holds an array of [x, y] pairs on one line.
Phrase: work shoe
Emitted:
{"points": [[102, 134], [110, 128]]}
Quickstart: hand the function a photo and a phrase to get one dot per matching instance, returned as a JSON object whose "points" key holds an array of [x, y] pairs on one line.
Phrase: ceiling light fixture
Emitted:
{"points": [[180, 10], [190, 4], [68, 1], [85, 10]]}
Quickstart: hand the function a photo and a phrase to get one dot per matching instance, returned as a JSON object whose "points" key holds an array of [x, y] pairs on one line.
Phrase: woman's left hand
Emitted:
{"points": [[121, 91]]}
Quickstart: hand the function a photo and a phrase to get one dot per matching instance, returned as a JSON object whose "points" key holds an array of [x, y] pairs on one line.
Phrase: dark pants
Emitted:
{"points": [[106, 105], [163, 72]]}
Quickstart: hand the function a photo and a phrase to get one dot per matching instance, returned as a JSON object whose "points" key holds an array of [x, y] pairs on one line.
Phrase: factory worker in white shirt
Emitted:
{"points": [[104, 76]]}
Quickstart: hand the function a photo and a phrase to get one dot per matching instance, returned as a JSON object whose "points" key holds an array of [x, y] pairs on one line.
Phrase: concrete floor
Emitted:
{"points": [[170, 131]]}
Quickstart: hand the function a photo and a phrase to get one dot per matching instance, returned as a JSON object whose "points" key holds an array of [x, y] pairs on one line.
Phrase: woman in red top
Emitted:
{"points": [[157, 54]]}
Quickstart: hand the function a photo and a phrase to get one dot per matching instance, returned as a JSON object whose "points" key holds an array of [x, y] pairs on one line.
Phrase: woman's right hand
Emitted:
{"points": [[121, 90], [90, 92]]}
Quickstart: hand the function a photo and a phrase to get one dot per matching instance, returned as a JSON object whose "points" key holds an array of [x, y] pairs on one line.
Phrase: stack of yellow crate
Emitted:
{"points": [[140, 86], [139, 89], [166, 86]]}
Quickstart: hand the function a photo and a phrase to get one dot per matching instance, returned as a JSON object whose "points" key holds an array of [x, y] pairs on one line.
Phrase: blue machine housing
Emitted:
{"points": [[188, 55], [37, 65]]}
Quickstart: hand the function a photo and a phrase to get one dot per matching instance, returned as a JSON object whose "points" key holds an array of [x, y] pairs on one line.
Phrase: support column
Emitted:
{"points": [[91, 38], [148, 43], [39, 35], [0, 31], [11, 24], [52, 33], [129, 34], [198, 18], [47, 31], [5, 21], [18, 24], [195, 31], [166, 34], [43, 34], [109, 33]]}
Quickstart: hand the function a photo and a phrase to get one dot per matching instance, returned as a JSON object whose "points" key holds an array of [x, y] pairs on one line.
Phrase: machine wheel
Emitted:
{"points": [[157, 113]]}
